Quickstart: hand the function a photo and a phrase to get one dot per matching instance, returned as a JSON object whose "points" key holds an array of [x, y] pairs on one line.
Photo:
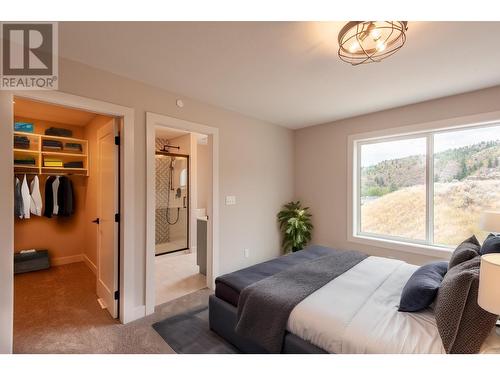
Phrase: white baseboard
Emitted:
{"points": [[59, 261], [90, 264]]}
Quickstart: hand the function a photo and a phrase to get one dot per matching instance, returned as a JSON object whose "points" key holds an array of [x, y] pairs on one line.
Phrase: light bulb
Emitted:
{"points": [[354, 47], [375, 34], [380, 46]]}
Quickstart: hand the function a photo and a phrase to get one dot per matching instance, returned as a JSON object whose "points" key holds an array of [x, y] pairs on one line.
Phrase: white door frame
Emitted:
{"points": [[127, 184], [154, 121]]}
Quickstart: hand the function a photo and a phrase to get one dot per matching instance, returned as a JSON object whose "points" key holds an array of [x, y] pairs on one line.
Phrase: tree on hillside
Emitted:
{"points": [[464, 171]]}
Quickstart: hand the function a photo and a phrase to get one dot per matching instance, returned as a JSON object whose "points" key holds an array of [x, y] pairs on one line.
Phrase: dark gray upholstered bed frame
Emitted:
{"points": [[223, 318]]}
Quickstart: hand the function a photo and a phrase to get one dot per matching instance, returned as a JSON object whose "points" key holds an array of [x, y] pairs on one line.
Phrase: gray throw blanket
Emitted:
{"points": [[265, 306]]}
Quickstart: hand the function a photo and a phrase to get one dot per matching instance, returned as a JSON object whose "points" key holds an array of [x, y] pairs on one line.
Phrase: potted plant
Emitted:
{"points": [[295, 224]]}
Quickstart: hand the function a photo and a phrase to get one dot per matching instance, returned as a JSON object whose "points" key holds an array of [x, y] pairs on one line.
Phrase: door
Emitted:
{"points": [[107, 239], [172, 203]]}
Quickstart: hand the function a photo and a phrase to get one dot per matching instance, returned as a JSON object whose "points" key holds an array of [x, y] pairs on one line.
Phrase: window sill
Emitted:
{"points": [[407, 247]]}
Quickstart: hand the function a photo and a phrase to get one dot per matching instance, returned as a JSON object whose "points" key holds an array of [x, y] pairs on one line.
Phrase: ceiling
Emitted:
{"points": [[32, 109], [170, 134], [288, 73]]}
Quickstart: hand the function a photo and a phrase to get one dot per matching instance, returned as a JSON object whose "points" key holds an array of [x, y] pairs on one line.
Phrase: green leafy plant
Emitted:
{"points": [[295, 224]]}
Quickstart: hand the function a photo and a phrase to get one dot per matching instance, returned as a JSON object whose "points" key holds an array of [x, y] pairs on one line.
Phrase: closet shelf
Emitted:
{"points": [[53, 137], [26, 166], [64, 168], [25, 151], [75, 154], [39, 154]]}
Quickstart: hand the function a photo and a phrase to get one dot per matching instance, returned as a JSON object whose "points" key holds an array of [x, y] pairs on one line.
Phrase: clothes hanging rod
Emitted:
{"points": [[168, 146], [49, 174]]}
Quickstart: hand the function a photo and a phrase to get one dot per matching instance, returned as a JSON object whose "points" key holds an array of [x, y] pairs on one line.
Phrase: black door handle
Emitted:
{"points": [[97, 221]]}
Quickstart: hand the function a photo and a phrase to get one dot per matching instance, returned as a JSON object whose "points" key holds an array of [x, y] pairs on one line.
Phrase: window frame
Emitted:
{"points": [[424, 130]]}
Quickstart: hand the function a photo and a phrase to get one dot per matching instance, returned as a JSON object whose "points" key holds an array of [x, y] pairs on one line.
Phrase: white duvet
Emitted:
{"points": [[358, 313]]}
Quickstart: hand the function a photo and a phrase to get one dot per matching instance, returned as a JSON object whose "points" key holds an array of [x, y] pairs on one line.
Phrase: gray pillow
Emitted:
{"points": [[491, 244], [467, 250], [462, 324], [421, 288]]}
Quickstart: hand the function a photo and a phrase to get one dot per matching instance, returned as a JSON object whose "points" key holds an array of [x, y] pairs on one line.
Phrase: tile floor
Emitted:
{"points": [[170, 246], [176, 275]]}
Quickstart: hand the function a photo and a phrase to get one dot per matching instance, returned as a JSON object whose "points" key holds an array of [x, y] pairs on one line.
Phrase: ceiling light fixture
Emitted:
{"points": [[363, 42]]}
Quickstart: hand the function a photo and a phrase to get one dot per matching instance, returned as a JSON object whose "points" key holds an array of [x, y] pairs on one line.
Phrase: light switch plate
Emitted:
{"points": [[230, 200]]}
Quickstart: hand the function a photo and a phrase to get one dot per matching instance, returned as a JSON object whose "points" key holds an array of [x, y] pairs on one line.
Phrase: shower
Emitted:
{"points": [[172, 200], [170, 188]]}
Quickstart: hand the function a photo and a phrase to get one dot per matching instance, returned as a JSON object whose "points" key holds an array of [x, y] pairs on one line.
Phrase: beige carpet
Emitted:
{"points": [[56, 311]]}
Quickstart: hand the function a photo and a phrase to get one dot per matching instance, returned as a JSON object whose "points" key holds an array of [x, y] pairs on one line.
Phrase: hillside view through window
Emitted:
{"points": [[465, 181]]}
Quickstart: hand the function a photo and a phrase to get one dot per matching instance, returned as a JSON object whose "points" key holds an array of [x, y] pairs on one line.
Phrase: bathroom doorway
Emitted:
{"points": [[172, 200], [181, 180], [176, 273]]}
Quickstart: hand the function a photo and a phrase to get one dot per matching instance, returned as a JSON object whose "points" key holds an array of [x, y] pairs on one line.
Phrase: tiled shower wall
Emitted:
{"points": [[162, 230]]}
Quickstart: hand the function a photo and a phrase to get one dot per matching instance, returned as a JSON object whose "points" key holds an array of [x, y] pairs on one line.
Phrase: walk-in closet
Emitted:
{"points": [[66, 184]]}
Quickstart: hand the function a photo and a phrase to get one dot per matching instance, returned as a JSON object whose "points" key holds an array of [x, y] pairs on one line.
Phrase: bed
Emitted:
{"points": [[355, 312]]}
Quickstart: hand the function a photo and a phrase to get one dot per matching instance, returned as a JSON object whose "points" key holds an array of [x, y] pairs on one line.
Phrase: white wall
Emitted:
{"points": [[321, 161], [255, 165]]}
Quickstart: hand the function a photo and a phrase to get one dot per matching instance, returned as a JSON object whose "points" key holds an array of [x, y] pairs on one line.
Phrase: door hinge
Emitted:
{"points": [[117, 218], [117, 140], [117, 294]]}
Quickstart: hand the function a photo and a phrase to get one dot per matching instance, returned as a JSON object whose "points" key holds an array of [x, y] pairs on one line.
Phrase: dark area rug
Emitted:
{"points": [[188, 333]]}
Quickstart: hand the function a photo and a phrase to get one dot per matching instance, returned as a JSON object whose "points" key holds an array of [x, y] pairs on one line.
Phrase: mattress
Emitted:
{"points": [[358, 313], [229, 286]]}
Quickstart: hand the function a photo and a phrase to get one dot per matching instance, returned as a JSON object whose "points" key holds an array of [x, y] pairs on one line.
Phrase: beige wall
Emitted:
{"points": [[255, 165], [6, 224], [321, 161]]}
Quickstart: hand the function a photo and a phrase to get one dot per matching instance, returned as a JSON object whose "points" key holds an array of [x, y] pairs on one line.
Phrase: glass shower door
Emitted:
{"points": [[172, 202]]}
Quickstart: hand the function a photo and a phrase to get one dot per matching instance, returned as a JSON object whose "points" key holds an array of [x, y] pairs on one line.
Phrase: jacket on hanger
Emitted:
{"points": [[49, 197], [55, 188], [65, 199], [25, 193], [36, 197], [18, 199]]}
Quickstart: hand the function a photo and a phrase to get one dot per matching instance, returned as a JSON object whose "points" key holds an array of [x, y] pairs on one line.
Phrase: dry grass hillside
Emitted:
{"points": [[457, 208]]}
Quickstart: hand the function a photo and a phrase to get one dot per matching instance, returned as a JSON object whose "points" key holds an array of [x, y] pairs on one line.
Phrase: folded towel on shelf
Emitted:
{"points": [[21, 142], [24, 146], [74, 164], [21, 139], [49, 162], [73, 147], [26, 127], [60, 132], [52, 143], [24, 161]]}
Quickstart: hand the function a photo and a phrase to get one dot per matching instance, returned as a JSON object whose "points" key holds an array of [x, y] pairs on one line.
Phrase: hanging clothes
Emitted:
{"points": [[26, 197], [55, 188], [65, 199], [36, 197], [49, 197], [18, 199]]}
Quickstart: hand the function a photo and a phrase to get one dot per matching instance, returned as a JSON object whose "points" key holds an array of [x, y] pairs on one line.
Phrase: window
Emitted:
{"points": [[429, 188]]}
